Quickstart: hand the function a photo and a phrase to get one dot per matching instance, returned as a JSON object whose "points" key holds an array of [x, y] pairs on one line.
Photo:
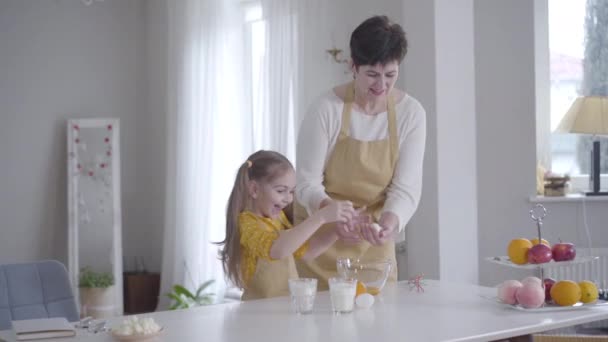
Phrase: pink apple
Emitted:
{"points": [[548, 283], [535, 280], [530, 295], [507, 290], [539, 254], [563, 251]]}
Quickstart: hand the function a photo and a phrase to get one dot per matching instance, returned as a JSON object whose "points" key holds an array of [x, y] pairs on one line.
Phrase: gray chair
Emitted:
{"points": [[35, 290]]}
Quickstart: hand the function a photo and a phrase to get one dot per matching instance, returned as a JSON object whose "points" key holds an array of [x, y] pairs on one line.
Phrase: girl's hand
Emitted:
{"points": [[350, 232], [337, 211]]}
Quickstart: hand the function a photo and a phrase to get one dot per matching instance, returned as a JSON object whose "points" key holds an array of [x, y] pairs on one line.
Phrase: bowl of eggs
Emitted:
{"points": [[372, 274]]}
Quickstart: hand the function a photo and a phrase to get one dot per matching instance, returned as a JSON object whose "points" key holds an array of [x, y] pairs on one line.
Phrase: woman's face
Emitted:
{"points": [[375, 81]]}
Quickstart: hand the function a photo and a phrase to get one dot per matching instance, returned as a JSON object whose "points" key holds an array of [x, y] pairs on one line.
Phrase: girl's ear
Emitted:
{"points": [[253, 189]]}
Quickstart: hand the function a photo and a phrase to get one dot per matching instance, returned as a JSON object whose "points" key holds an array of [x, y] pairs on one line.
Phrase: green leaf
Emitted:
{"points": [[203, 287], [180, 290], [183, 299]]}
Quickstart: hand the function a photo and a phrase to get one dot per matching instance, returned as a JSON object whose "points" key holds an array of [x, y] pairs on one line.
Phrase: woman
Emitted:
{"points": [[364, 142]]}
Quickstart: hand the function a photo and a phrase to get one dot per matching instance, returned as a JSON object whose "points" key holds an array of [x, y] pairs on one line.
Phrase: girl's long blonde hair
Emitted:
{"points": [[262, 166]]}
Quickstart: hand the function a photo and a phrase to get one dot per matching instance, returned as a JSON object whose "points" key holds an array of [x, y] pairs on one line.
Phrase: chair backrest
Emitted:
{"points": [[35, 290]]}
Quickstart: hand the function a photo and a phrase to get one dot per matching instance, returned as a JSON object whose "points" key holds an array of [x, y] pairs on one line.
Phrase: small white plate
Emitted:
{"points": [[551, 307], [139, 338]]}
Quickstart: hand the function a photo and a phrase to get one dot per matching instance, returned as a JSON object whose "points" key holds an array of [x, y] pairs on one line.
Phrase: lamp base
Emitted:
{"points": [[599, 193]]}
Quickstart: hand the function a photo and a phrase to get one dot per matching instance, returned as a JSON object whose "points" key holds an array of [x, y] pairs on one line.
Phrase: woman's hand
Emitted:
{"points": [[381, 232]]}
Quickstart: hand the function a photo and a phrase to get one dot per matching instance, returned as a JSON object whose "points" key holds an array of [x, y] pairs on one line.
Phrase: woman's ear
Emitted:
{"points": [[353, 68]]}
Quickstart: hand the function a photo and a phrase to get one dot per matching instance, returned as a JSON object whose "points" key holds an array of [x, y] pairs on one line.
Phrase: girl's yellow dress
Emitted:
{"points": [[263, 276]]}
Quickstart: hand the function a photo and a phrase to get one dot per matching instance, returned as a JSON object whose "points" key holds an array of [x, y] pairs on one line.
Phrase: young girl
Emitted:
{"points": [[260, 243]]}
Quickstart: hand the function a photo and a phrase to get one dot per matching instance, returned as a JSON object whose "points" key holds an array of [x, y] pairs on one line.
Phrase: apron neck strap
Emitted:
{"points": [[349, 98]]}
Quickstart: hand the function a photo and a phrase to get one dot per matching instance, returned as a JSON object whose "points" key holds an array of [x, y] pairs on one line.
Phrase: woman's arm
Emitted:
{"points": [[403, 194], [311, 153]]}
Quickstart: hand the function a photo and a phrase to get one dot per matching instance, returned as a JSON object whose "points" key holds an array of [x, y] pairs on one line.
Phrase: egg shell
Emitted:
{"points": [[530, 295], [376, 227], [507, 290], [364, 301]]}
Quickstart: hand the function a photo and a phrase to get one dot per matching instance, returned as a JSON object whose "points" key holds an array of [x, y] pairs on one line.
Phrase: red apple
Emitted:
{"points": [[539, 254], [548, 283], [563, 251]]}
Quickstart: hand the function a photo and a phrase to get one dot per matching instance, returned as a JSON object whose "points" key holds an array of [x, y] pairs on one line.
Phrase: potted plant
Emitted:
{"points": [[184, 298], [96, 293]]}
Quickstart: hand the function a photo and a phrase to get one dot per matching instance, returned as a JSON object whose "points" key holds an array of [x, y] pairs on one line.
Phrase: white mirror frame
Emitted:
{"points": [[74, 171]]}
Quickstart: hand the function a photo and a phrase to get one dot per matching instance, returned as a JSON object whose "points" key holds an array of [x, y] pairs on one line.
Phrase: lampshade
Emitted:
{"points": [[587, 115]]}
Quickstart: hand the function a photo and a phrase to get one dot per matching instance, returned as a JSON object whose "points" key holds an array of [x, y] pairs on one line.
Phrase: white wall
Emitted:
{"points": [[58, 60], [62, 59]]}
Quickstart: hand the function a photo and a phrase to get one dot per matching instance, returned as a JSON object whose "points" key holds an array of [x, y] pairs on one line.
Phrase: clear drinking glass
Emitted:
{"points": [[303, 291], [342, 292]]}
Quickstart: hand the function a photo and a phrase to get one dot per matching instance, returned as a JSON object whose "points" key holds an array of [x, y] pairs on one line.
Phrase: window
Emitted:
{"points": [[569, 153]]}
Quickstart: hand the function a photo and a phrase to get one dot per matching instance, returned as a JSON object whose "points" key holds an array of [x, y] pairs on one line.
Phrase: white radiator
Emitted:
{"points": [[595, 270]]}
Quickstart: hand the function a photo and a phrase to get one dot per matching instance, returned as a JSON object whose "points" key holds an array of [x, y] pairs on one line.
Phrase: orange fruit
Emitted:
{"points": [[589, 292], [373, 290], [518, 250], [543, 241], [360, 288], [565, 293]]}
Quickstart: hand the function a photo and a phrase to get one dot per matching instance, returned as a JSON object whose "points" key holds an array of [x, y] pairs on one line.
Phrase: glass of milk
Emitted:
{"points": [[342, 292], [303, 291]]}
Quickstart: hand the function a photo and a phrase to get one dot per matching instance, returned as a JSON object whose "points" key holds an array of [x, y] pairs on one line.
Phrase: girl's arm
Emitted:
{"points": [[289, 240], [319, 243]]}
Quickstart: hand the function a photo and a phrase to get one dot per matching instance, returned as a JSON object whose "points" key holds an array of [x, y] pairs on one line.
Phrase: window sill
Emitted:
{"points": [[573, 197]]}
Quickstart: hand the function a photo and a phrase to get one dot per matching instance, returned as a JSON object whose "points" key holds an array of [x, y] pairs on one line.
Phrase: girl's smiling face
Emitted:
{"points": [[270, 198]]}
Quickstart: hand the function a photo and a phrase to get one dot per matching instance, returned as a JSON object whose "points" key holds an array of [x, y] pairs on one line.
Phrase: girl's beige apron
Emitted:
{"points": [[358, 171], [271, 277]]}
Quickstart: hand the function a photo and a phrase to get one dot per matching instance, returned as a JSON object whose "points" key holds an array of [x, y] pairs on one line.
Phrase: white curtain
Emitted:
{"points": [[219, 112], [205, 137], [280, 78]]}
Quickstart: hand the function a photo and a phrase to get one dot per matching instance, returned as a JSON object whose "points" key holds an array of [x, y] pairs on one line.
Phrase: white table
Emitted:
{"points": [[444, 312]]}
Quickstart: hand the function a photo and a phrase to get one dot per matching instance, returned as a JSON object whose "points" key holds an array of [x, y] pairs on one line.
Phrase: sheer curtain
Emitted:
{"points": [[232, 90], [205, 137], [279, 78]]}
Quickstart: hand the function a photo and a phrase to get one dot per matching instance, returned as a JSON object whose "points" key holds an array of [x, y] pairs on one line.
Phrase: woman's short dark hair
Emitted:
{"points": [[377, 40]]}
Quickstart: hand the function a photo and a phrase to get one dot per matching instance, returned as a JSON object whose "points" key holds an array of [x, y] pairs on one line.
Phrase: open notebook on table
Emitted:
{"points": [[34, 329]]}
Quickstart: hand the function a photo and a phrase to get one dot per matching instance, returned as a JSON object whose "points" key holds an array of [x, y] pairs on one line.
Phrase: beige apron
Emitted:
{"points": [[358, 171], [271, 278]]}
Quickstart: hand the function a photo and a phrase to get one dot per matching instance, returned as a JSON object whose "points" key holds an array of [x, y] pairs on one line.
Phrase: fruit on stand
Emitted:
{"points": [[548, 285], [543, 241], [589, 291], [531, 295], [534, 280], [565, 293], [518, 250], [563, 251], [507, 290], [539, 254]]}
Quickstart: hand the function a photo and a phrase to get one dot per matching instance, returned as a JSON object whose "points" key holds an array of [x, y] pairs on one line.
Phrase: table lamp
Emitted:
{"points": [[588, 115]]}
